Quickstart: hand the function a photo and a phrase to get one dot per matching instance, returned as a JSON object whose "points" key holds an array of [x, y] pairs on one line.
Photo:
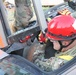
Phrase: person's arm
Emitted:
{"points": [[36, 50]]}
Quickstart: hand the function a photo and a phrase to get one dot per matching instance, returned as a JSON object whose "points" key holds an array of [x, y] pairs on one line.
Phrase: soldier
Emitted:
{"points": [[61, 45], [23, 13]]}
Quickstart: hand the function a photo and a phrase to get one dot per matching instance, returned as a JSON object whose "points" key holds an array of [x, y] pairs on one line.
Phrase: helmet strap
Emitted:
{"points": [[61, 46]]}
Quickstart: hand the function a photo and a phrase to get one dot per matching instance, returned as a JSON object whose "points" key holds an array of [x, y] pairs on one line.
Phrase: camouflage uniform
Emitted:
{"points": [[23, 13], [8, 68], [52, 63]]}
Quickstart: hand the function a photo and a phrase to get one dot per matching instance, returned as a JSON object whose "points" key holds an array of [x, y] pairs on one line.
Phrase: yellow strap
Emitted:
{"points": [[65, 12], [66, 57]]}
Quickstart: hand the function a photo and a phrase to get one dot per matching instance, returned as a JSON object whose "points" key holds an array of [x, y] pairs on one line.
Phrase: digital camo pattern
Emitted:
{"points": [[8, 68], [52, 63], [18, 15], [23, 13]]}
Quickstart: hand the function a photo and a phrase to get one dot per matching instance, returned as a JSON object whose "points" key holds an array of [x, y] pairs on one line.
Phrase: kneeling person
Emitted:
{"points": [[61, 33]]}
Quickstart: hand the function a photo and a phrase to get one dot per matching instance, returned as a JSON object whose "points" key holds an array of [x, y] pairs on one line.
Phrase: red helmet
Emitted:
{"points": [[62, 27]]}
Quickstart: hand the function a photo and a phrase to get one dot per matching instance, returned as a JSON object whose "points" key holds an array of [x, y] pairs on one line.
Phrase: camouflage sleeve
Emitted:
{"points": [[53, 63], [23, 13], [48, 65]]}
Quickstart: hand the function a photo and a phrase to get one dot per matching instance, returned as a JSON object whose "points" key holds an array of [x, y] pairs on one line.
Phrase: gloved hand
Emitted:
{"points": [[42, 38]]}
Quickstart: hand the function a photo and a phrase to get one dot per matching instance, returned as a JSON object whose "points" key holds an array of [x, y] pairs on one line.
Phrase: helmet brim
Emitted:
{"points": [[52, 37], [59, 38]]}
